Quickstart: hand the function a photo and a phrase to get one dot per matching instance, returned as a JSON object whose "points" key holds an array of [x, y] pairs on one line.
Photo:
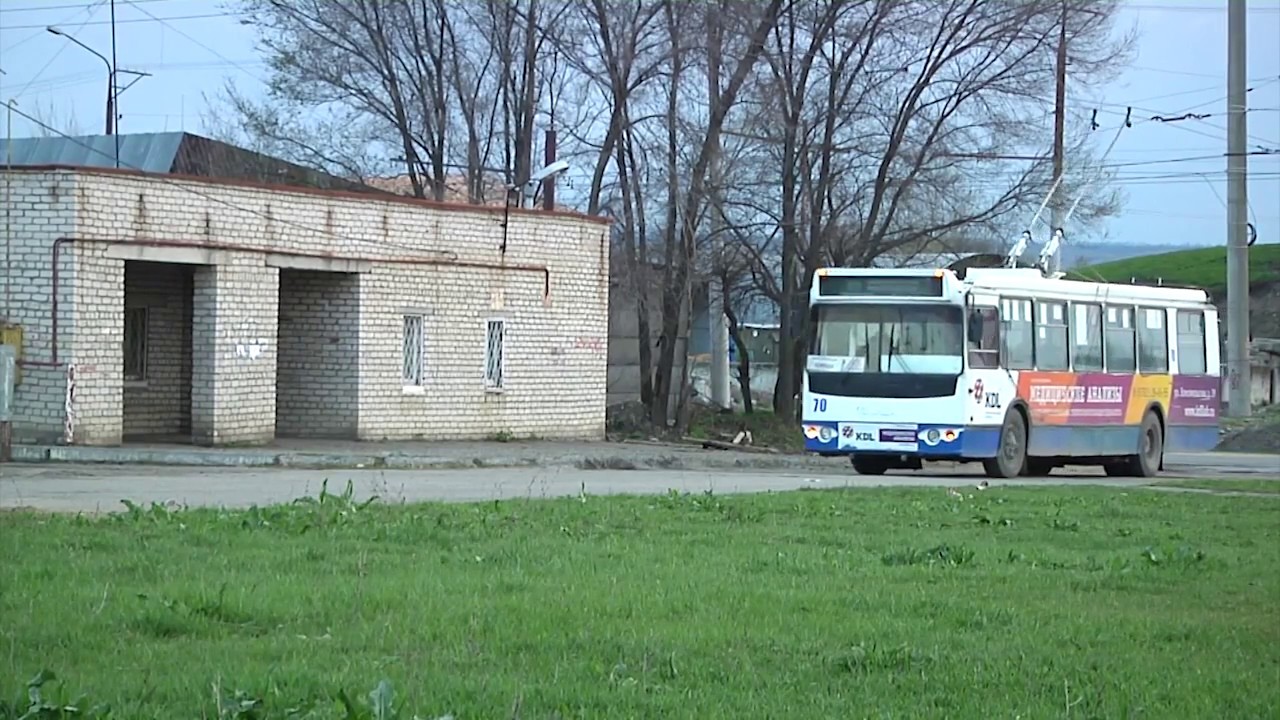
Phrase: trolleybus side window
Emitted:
{"points": [[1018, 333], [1051, 335], [1153, 341], [1191, 350], [1086, 337], [1120, 350], [984, 338]]}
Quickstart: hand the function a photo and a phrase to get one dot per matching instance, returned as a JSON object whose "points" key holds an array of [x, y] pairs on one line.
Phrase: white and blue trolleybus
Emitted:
{"points": [[1005, 366]]}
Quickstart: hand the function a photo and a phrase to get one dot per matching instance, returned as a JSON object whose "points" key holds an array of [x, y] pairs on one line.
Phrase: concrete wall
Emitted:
{"points": [[764, 379], [550, 285], [624, 342]]}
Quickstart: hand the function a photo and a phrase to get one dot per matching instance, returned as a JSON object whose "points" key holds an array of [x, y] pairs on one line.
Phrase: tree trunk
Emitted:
{"points": [[744, 362]]}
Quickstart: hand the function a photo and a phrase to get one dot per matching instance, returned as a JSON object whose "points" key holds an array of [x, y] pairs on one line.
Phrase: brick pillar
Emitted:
{"points": [[91, 338], [233, 378]]}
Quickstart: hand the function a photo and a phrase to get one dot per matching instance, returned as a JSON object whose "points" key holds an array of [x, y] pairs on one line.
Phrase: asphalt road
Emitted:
{"points": [[100, 488]]}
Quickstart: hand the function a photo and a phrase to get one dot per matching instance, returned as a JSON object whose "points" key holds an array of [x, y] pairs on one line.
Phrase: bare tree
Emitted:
{"points": [[839, 132], [408, 76], [881, 115], [686, 205]]}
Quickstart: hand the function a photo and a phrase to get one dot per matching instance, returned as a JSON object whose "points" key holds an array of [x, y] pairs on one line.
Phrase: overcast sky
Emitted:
{"points": [[1173, 174]]}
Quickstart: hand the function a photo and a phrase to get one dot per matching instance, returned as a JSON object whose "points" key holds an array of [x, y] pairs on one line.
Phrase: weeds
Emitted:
{"points": [[871, 658], [377, 704], [36, 705], [937, 555]]}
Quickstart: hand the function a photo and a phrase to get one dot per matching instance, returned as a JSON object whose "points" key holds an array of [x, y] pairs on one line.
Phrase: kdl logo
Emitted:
{"points": [[863, 436]]}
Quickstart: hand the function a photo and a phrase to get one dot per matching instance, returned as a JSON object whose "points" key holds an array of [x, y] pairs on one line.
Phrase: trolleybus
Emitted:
{"points": [[1004, 366]]}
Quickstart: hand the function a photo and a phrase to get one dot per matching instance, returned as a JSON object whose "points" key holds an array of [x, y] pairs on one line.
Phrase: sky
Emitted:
{"points": [[1173, 174]]}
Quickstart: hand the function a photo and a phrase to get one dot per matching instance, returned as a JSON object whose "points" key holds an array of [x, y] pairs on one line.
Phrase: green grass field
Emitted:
{"points": [[1249, 485], [1205, 268], [1006, 603]]}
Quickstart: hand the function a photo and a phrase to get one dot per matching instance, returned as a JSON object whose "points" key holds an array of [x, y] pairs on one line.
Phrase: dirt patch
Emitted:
{"points": [[1257, 434], [1260, 439]]}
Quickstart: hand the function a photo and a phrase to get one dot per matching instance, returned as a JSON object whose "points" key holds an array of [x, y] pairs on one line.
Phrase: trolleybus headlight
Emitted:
{"points": [[826, 433], [932, 436]]}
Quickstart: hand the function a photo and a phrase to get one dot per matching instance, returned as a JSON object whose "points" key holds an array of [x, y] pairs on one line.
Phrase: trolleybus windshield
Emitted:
{"points": [[882, 338]]}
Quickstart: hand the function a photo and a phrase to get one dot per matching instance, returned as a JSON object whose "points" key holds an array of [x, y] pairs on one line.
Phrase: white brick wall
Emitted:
{"points": [[233, 399], [39, 208], [555, 347], [317, 380]]}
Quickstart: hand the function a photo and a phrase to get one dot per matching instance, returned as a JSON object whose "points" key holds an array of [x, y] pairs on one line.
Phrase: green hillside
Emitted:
{"points": [[1205, 268]]}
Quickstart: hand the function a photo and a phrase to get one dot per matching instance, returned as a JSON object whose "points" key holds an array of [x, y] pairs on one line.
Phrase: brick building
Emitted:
{"points": [[160, 307]]}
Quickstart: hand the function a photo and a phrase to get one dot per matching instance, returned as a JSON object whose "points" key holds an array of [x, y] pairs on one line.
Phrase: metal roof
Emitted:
{"points": [[148, 152]]}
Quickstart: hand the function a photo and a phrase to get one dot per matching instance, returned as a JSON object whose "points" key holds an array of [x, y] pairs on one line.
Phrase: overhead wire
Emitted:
{"points": [[90, 10], [1194, 8], [69, 6], [1090, 182], [170, 26], [132, 21]]}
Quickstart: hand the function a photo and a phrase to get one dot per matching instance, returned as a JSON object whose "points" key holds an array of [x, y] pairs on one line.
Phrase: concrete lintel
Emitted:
{"points": [[323, 264], [180, 255]]}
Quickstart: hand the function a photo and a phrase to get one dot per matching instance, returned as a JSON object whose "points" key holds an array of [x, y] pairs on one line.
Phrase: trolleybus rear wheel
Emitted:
{"points": [[1150, 452], [1011, 453]]}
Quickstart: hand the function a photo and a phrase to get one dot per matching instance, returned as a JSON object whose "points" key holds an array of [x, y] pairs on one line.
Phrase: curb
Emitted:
{"points": [[618, 460]]}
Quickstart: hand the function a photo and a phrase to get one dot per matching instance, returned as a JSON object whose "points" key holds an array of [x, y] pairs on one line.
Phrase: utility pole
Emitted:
{"points": [[1238, 373], [549, 156], [1059, 131], [720, 394], [115, 91]]}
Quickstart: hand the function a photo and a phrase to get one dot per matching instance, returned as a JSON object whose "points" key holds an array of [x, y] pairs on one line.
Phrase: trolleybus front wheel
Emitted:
{"points": [[1011, 455]]}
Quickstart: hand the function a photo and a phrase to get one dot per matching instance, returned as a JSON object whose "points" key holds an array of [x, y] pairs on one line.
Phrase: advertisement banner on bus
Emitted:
{"points": [[1065, 398]]}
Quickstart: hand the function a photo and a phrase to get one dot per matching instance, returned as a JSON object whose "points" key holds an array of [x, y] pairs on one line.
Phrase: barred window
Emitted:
{"points": [[414, 368], [135, 343], [495, 336]]}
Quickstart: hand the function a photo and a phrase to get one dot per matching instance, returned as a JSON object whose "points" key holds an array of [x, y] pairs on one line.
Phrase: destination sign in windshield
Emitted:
{"points": [[881, 285]]}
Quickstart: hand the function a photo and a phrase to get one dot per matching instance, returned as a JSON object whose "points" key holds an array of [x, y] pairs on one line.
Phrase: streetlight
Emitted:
{"points": [[111, 78]]}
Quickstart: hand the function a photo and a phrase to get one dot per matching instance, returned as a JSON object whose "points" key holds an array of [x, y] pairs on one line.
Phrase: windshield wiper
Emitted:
{"points": [[888, 360]]}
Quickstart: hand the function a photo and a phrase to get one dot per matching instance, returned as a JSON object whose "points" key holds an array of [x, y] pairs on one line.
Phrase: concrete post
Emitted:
{"points": [[1238, 375]]}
